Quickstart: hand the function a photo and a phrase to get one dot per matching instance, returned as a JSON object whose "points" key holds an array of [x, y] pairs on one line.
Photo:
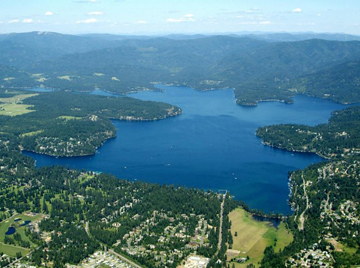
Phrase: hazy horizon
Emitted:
{"points": [[187, 34], [163, 17]]}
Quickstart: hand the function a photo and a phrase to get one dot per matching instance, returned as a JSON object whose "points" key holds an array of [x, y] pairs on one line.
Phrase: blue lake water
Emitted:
{"points": [[212, 145], [10, 231], [25, 223], [273, 222], [39, 89]]}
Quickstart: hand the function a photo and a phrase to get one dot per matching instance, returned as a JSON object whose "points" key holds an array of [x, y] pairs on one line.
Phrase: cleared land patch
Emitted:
{"points": [[65, 77], [99, 74], [66, 117], [13, 106], [31, 133], [254, 236]]}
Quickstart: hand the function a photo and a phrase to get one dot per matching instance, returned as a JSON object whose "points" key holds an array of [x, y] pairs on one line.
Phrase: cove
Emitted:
{"points": [[212, 145]]}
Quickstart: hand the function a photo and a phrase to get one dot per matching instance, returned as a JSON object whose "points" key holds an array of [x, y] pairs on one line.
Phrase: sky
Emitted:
{"points": [[154, 17]]}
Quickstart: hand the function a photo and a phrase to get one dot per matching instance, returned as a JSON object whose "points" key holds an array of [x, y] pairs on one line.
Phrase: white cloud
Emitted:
{"points": [[28, 21], [265, 22], [92, 20], [86, 1], [13, 21], [96, 13], [185, 18], [141, 22], [48, 13], [173, 20], [297, 10], [247, 22]]}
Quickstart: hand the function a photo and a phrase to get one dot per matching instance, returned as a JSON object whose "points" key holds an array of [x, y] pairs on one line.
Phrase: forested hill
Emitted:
{"points": [[344, 78], [22, 49], [257, 69], [339, 138]]}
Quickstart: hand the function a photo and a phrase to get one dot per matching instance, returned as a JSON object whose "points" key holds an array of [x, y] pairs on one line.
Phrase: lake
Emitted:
{"points": [[212, 145]]}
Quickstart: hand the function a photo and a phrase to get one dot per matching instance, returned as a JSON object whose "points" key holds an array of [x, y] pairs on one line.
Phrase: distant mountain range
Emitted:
{"points": [[258, 66]]}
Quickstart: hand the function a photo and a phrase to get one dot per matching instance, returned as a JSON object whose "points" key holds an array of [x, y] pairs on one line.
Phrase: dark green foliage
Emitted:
{"points": [[338, 138], [67, 124], [340, 83], [257, 70], [23, 49]]}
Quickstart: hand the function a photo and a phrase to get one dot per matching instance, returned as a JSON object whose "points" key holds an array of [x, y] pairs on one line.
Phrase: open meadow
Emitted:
{"points": [[252, 237], [13, 106]]}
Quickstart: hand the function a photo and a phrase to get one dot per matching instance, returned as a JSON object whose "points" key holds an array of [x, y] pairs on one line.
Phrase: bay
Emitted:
{"points": [[212, 145]]}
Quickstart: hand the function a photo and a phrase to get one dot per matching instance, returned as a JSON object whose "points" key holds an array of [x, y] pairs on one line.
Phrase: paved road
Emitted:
{"points": [[221, 221], [302, 218]]}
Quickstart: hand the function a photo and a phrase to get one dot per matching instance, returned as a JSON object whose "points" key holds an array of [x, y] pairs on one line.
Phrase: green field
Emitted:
{"points": [[17, 98], [14, 109], [65, 117], [13, 106], [254, 236], [11, 250], [31, 133]]}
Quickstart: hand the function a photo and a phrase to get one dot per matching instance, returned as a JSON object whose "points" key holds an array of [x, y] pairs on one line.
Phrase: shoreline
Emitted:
{"points": [[293, 150]]}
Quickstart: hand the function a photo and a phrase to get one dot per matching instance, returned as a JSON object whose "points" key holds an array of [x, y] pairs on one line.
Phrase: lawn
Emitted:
{"points": [[11, 250], [254, 236]]}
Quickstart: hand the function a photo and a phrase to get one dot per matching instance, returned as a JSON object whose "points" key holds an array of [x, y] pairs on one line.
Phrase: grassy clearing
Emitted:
{"points": [[41, 79], [12, 250], [33, 133], [99, 74], [254, 236], [9, 78], [85, 178], [65, 117], [14, 109], [12, 106], [65, 77], [17, 99], [341, 247], [104, 266]]}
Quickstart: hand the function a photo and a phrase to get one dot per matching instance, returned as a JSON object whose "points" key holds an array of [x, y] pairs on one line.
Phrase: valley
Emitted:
{"points": [[139, 167]]}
